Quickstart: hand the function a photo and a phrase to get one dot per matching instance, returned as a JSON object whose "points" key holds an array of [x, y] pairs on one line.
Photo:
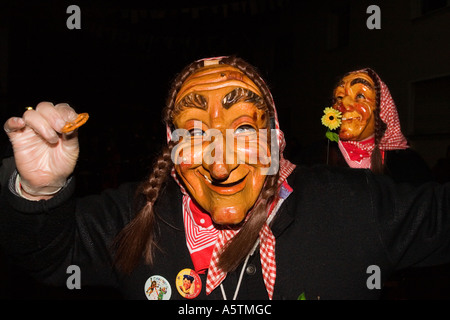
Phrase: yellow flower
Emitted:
{"points": [[331, 118]]}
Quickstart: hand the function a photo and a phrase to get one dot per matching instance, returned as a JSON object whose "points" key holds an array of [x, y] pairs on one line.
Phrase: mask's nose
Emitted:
{"points": [[217, 166], [346, 104]]}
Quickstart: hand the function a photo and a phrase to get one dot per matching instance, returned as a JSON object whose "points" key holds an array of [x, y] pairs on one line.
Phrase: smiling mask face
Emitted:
{"points": [[355, 97], [218, 105]]}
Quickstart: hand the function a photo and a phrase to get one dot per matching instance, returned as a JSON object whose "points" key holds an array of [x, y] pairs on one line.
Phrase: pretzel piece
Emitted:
{"points": [[78, 122]]}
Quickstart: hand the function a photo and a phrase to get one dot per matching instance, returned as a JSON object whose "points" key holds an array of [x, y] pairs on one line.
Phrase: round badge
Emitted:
{"points": [[188, 283], [157, 288]]}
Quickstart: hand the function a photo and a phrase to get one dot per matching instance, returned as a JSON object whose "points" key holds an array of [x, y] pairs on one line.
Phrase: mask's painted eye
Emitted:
{"points": [[360, 96], [337, 99], [196, 132], [244, 129]]}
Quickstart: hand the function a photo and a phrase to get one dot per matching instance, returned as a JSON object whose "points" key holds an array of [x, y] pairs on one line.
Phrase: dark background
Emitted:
{"points": [[119, 66]]}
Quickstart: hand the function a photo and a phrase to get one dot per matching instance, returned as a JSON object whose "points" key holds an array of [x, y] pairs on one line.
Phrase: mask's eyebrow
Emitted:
{"points": [[240, 94], [362, 81], [192, 100]]}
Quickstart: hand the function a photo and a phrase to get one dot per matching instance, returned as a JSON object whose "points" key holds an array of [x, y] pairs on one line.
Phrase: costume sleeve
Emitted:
{"points": [[414, 222], [46, 237]]}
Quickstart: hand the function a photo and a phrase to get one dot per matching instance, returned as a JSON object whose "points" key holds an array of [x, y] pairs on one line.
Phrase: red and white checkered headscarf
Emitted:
{"points": [[392, 139], [200, 239]]}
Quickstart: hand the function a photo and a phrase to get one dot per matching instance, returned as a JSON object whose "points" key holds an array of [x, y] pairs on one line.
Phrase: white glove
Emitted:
{"points": [[44, 156]]}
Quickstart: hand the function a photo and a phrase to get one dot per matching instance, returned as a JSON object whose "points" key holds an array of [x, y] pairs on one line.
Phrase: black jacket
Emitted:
{"points": [[336, 225]]}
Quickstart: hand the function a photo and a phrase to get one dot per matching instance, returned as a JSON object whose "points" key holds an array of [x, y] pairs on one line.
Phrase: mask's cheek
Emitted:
{"points": [[187, 153], [187, 156], [365, 110], [253, 149], [192, 181]]}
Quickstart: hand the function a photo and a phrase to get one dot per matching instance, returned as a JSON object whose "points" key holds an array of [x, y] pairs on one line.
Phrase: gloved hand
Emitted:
{"points": [[44, 156]]}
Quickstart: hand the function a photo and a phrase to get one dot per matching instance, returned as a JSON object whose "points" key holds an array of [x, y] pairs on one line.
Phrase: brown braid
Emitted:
{"points": [[376, 161], [137, 239]]}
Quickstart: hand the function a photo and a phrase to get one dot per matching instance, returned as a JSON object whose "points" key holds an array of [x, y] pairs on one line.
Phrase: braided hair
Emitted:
{"points": [[138, 240], [376, 160]]}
